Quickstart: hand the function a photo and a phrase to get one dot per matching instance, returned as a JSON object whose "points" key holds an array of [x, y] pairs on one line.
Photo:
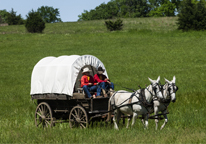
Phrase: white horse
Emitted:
{"points": [[160, 105], [132, 103]]}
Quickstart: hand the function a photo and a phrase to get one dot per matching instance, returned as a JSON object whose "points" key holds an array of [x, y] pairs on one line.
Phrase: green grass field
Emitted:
{"points": [[146, 47]]}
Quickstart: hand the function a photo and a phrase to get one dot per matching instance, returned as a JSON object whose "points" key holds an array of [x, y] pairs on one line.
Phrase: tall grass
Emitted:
{"points": [[147, 47]]}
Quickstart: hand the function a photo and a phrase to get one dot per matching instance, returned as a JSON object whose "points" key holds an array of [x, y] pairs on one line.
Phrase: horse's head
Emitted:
{"points": [[171, 89], [156, 87]]}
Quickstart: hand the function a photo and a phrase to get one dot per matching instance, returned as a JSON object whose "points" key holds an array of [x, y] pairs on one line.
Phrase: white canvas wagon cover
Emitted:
{"points": [[58, 74]]}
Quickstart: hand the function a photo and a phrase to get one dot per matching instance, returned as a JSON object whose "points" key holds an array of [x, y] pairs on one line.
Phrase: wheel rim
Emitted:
{"points": [[78, 117], [43, 116]]}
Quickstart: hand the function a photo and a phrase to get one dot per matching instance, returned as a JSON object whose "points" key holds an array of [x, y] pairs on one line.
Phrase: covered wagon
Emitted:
{"points": [[56, 87]]}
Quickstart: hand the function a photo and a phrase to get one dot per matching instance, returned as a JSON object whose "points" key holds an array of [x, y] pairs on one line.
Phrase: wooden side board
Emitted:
{"points": [[53, 96]]}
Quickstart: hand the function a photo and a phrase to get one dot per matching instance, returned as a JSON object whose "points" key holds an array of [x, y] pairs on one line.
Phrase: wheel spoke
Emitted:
{"points": [[78, 112], [39, 123], [83, 117], [75, 112], [48, 115], [73, 115], [83, 122], [43, 124], [80, 115], [48, 122], [82, 125], [40, 110], [38, 114], [45, 108], [47, 118], [46, 111]]}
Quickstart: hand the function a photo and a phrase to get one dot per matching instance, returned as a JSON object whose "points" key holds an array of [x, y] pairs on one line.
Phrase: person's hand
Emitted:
{"points": [[109, 82], [90, 83]]}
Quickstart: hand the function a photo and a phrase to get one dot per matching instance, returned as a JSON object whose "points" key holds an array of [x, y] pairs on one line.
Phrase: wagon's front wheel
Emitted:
{"points": [[43, 116], [78, 117]]}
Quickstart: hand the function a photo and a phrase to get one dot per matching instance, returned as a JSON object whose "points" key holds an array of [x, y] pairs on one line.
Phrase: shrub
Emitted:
{"points": [[34, 22], [13, 19], [3, 16], [114, 25]]}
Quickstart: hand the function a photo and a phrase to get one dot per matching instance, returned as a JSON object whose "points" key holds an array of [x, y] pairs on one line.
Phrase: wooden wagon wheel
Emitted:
{"points": [[43, 116], [78, 117]]}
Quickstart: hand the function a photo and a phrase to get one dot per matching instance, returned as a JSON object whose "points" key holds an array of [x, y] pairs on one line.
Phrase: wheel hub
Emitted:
{"points": [[43, 117], [78, 120]]}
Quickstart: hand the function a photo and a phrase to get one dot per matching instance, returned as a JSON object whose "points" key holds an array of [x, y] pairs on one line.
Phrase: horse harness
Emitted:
{"points": [[142, 99], [164, 101]]}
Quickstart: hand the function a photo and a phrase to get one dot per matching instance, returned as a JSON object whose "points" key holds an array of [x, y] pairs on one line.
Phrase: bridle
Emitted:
{"points": [[167, 100], [173, 86], [154, 89]]}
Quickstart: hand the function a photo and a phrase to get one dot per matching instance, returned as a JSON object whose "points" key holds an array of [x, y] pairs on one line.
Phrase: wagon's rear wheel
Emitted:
{"points": [[78, 117], [43, 116]]}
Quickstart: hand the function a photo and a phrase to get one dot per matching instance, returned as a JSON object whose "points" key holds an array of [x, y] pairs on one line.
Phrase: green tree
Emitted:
{"points": [[49, 14], [192, 16], [34, 22], [134, 8], [166, 9], [3, 16], [13, 19], [177, 4], [118, 8], [200, 16], [103, 11], [186, 15]]}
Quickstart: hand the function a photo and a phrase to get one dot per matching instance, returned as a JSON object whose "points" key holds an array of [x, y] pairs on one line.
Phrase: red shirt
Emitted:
{"points": [[85, 80], [99, 78]]}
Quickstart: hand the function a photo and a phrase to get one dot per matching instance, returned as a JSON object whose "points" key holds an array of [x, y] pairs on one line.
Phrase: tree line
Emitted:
{"points": [[48, 14], [191, 14], [132, 9]]}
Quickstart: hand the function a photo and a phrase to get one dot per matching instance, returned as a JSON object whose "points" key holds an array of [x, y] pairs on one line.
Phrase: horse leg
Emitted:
{"points": [[116, 119], [146, 121], [156, 117], [142, 120], [135, 115], [165, 122], [128, 121]]}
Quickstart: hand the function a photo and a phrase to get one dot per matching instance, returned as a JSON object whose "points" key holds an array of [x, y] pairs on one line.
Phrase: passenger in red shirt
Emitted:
{"points": [[102, 81], [88, 84]]}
